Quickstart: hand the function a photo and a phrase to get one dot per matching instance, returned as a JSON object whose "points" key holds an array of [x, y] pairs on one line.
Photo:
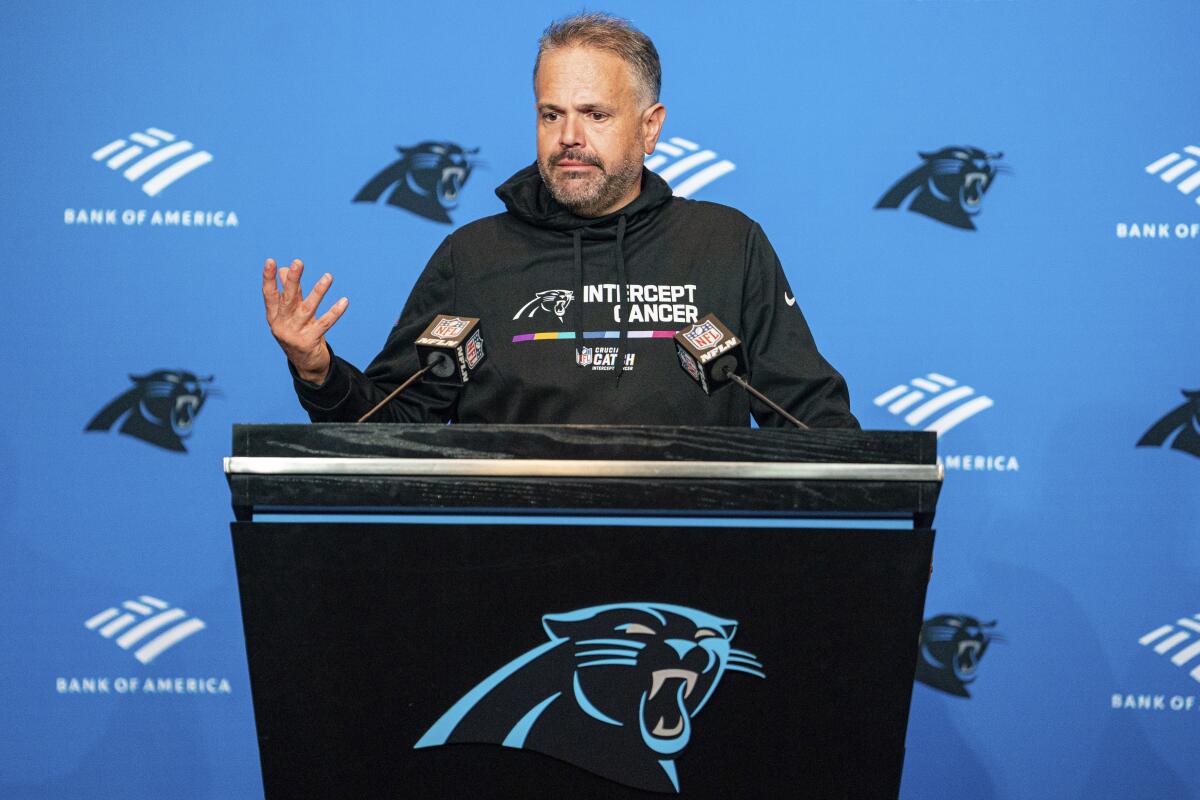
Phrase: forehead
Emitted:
{"points": [[583, 74]]}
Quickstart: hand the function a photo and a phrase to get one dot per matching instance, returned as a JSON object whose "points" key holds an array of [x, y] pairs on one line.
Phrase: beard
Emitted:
{"points": [[589, 194]]}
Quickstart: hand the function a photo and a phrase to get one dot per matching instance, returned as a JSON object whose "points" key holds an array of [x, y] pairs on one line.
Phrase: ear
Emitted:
{"points": [[652, 124], [924, 156], [563, 626]]}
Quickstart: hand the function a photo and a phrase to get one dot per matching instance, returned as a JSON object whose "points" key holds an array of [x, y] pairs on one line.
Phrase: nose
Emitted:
{"points": [[681, 646], [571, 132]]}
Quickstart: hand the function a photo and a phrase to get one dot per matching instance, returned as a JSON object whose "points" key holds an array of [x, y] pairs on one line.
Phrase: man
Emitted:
{"points": [[584, 279]]}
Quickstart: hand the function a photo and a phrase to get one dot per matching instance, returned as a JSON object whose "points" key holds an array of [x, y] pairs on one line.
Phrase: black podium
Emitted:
{"points": [[581, 611]]}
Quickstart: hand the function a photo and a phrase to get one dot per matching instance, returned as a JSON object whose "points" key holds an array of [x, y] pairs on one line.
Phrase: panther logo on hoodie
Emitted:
{"points": [[554, 301]]}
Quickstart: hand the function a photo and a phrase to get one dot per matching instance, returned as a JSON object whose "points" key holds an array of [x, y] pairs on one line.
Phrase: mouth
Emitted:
{"points": [[664, 712], [184, 412], [967, 659], [451, 183], [974, 185], [567, 160]]}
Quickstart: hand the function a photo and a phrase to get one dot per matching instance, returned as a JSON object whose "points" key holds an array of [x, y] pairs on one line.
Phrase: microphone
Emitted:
{"points": [[713, 356], [450, 349]]}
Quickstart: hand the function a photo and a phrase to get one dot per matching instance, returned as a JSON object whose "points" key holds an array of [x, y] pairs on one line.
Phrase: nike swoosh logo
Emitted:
{"points": [[791, 301]]}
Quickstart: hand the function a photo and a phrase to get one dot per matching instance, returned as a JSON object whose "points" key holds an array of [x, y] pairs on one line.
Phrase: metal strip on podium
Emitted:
{"points": [[585, 474], [574, 468]]}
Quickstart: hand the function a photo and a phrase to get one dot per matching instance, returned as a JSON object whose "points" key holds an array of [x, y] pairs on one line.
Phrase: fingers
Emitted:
{"points": [[270, 290], [332, 315], [291, 282], [313, 301]]}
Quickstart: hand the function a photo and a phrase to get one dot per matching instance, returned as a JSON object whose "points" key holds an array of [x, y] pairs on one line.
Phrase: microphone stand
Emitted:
{"points": [[397, 391], [740, 381]]}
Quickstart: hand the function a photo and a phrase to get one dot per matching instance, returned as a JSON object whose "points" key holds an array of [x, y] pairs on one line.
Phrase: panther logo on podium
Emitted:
{"points": [[613, 690], [160, 408], [949, 186], [425, 180]]}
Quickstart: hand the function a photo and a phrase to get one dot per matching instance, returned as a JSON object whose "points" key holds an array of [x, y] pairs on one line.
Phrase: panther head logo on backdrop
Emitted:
{"points": [[614, 691], [159, 409], [427, 179], [1184, 420], [952, 646], [949, 186]]}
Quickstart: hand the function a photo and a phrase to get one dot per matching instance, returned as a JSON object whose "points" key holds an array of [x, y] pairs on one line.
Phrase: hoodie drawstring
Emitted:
{"points": [[623, 325], [578, 239]]}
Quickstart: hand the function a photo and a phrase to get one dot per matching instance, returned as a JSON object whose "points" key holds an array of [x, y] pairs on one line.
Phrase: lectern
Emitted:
{"points": [[581, 611]]}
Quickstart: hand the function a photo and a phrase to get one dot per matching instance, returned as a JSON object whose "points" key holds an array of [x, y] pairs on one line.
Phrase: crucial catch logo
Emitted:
{"points": [[938, 404], [686, 166], [153, 160]]}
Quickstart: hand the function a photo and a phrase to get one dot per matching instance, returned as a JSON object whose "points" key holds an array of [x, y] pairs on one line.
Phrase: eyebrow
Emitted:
{"points": [[585, 107]]}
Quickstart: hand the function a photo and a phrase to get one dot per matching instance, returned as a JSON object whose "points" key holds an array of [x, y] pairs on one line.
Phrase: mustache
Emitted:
{"points": [[576, 155]]}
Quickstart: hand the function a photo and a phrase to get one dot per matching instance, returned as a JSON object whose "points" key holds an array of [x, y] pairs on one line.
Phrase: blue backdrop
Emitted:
{"points": [[1070, 307]]}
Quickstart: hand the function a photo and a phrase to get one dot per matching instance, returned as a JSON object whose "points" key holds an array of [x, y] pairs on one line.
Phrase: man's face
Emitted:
{"points": [[592, 131]]}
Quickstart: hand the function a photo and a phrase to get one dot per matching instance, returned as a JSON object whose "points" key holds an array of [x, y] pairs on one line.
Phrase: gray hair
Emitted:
{"points": [[613, 34]]}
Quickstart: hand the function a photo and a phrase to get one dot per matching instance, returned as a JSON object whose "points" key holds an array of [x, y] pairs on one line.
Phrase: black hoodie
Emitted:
{"points": [[577, 315]]}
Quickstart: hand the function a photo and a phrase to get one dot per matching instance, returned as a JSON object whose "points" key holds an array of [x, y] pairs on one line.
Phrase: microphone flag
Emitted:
{"points": [[452, 347], [709, 352]]}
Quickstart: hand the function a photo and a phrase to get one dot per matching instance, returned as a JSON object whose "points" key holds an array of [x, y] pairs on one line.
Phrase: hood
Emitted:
{"points": [[527, 198]]}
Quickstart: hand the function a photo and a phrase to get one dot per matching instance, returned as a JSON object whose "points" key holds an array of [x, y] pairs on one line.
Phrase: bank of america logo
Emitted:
{"points": [[154, 153], [948, 404], [1180, 641], [141, 622], [685, 166], [1176, 166]]}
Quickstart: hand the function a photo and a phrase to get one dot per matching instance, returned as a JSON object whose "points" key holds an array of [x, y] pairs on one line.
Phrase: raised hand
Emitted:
{"points": [[293, 319]]}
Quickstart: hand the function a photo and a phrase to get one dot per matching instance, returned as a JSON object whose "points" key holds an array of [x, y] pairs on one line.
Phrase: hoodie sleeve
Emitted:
{"points": [[782, 357], [348, 393]]}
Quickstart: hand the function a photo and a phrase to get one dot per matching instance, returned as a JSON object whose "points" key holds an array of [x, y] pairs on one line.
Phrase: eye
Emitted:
{"points": [[634, 627], [598, 116], [549, 116], [704, 633]]}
